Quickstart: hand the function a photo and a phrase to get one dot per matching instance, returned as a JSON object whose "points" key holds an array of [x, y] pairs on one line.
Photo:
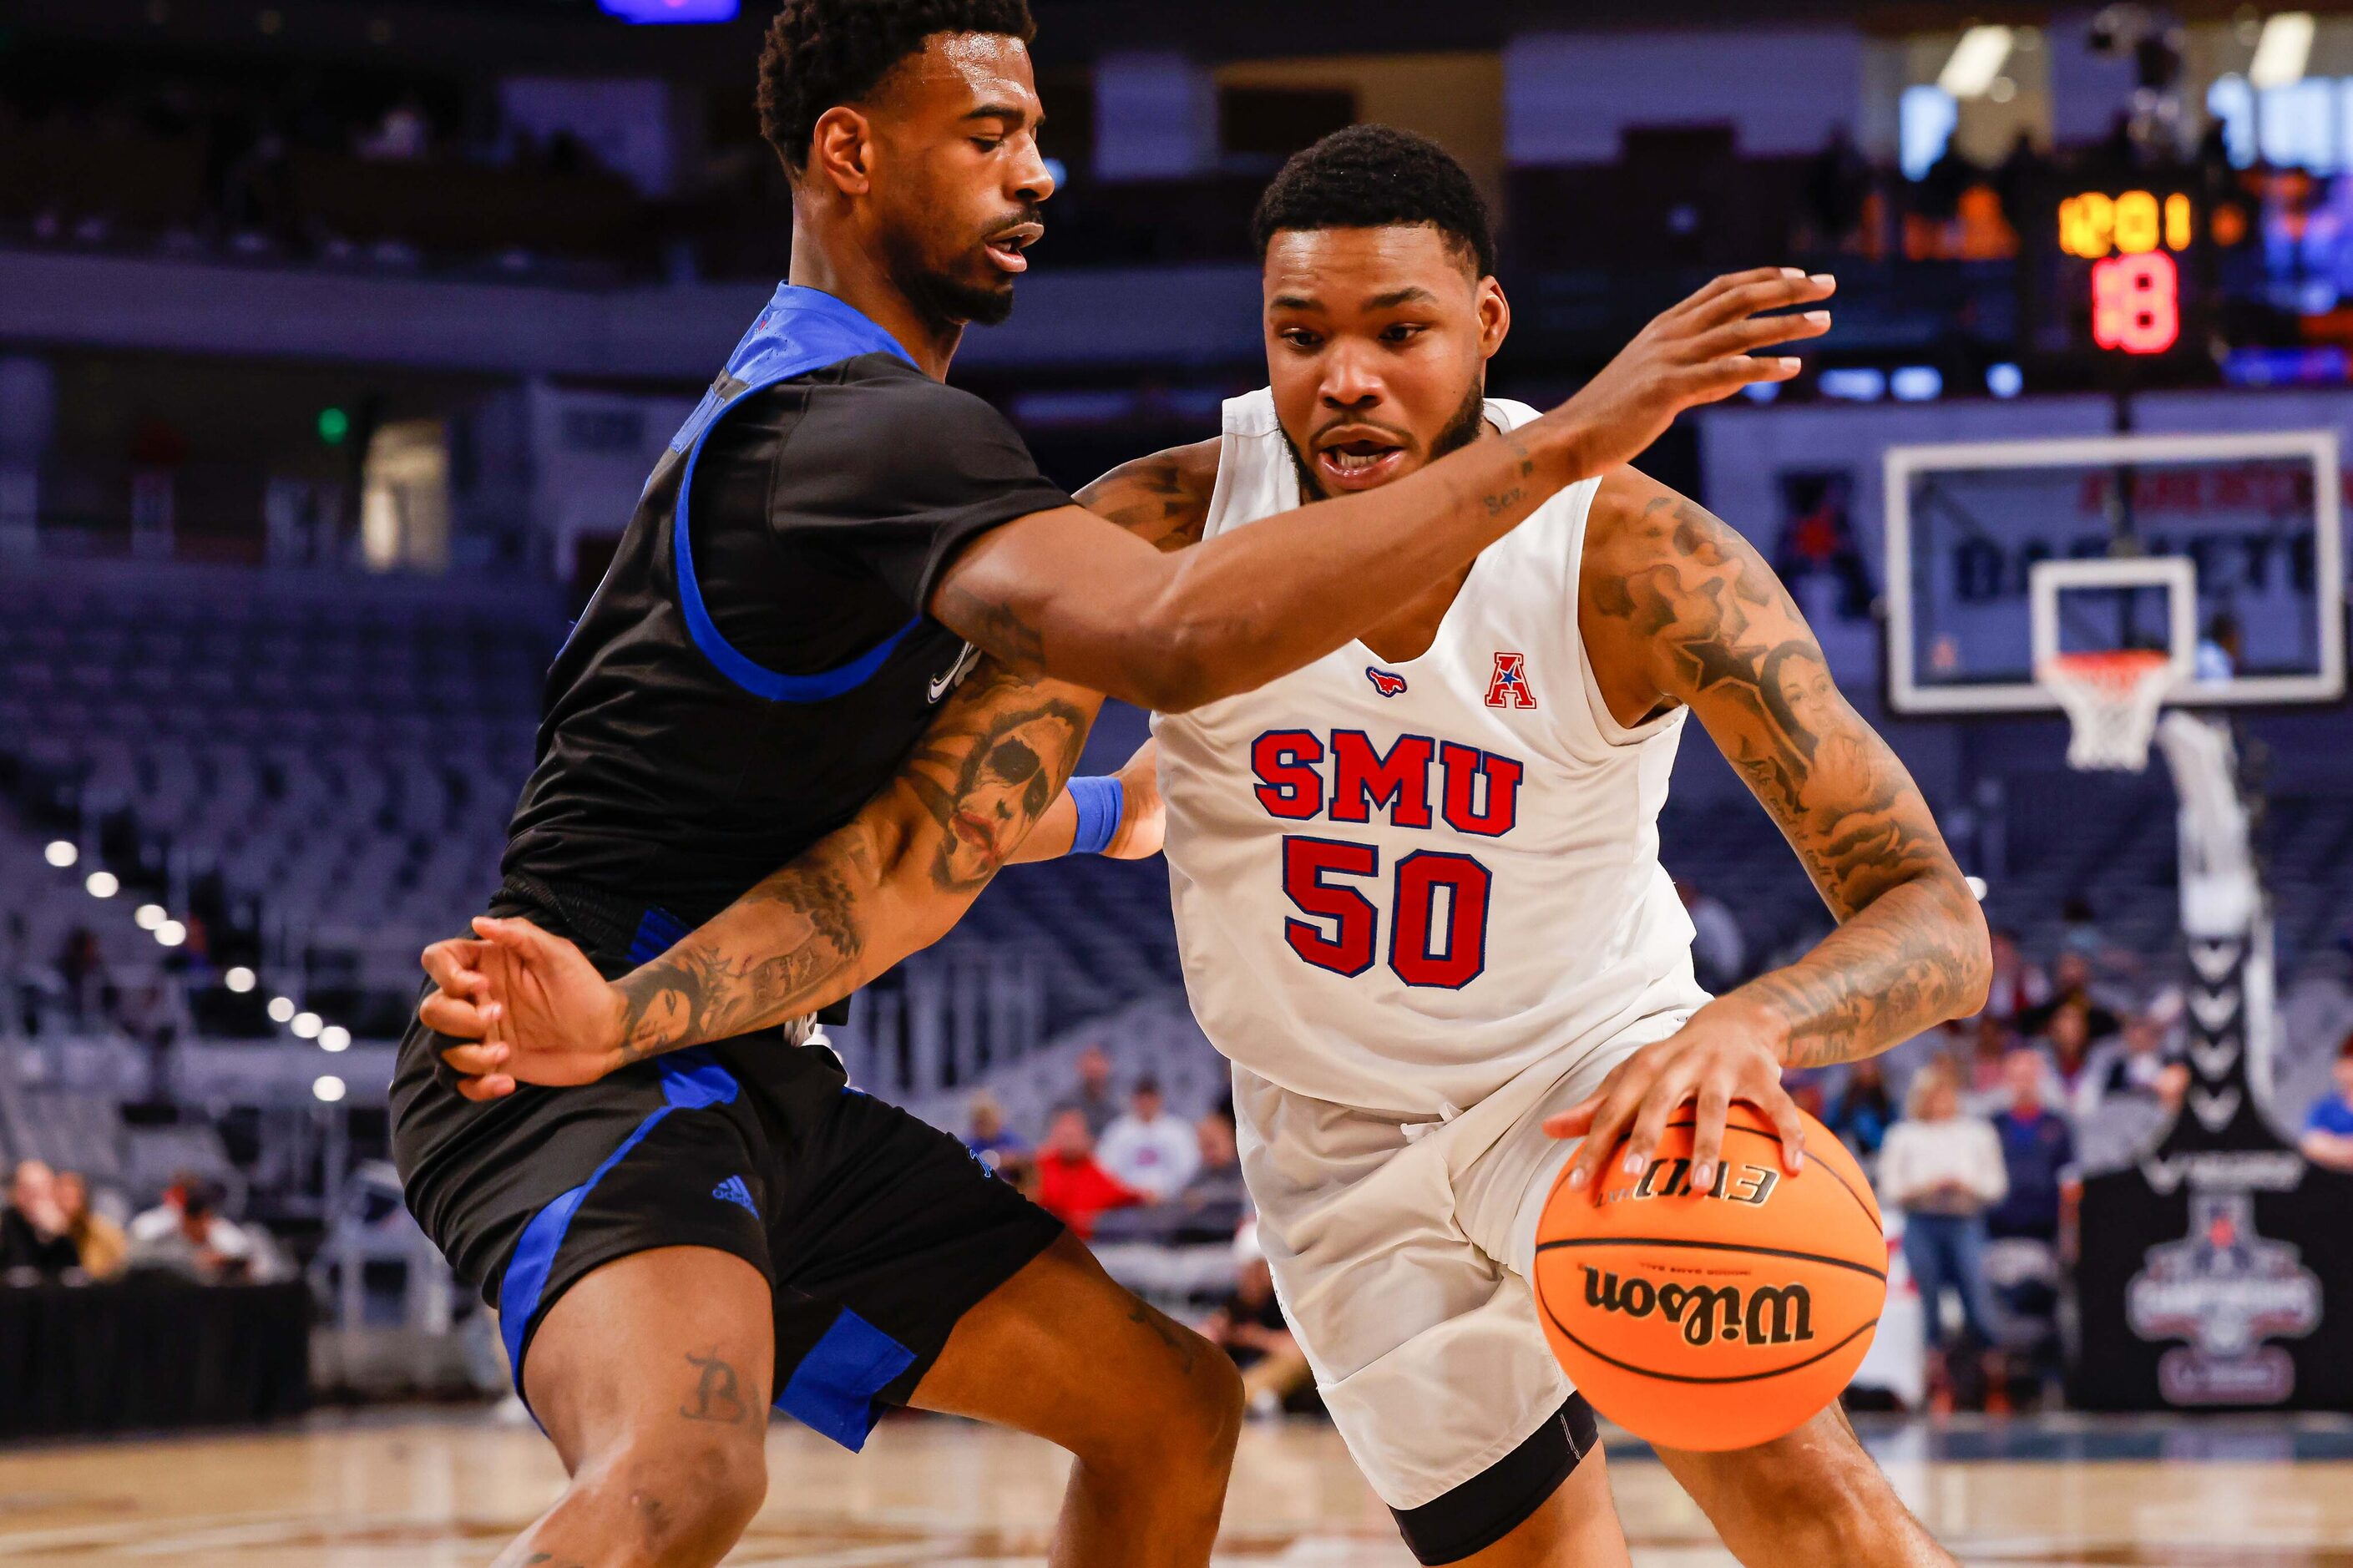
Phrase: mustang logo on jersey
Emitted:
{"points": [[1763, 1314], [1387, 682], [1508, 688]]}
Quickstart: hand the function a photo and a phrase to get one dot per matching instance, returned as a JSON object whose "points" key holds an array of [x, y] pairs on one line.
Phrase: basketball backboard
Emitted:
{"points": [[2226, 552]]}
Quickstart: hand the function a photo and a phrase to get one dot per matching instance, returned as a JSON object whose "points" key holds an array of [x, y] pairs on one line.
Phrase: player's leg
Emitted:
{"points": [[908, 1274], [1812, 1497], [1528, 1513], [651, 1376], [1429, 1356], [1148, 1408]]}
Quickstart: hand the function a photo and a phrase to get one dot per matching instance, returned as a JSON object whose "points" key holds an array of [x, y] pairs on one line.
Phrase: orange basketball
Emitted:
{"points": [[1715, 1319]]}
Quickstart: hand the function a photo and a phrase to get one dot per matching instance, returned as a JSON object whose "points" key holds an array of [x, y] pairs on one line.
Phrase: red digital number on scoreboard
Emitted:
{"points": [[2137, 303]]}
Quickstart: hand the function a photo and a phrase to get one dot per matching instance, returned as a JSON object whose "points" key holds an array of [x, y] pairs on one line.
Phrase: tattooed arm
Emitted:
{"points": [[1058, 591], [1677, 608], [890, 881]]}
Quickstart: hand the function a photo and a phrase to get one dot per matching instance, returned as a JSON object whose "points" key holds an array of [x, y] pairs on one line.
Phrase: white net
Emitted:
{"points": [[2112, 701]]}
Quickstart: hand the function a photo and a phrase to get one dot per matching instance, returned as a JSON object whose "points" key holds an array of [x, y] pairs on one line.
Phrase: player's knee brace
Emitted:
{"points": [[1500, 1498]]}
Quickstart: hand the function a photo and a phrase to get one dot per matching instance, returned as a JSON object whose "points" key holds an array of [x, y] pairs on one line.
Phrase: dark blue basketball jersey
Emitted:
{"points": [[759, 661]]}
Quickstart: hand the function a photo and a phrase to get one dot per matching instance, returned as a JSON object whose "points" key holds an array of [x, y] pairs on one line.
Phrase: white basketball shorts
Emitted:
{"points": [[1401, 1254]]}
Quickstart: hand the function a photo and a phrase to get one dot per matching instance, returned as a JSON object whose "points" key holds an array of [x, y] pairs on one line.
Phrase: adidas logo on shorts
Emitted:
{"points": [[733, 1191]]}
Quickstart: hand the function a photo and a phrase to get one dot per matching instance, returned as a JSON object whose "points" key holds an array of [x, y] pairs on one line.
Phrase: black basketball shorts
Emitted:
{"points": [[875, 1231]]}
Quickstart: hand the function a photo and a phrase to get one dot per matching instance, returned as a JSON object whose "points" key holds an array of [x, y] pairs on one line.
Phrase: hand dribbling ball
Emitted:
{"points": [[1720, 1318]]}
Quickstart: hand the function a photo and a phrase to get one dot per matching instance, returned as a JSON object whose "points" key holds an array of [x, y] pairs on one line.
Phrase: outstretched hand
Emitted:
{"points": [[530, 1005], [1722, 1054], [1698, 351]]}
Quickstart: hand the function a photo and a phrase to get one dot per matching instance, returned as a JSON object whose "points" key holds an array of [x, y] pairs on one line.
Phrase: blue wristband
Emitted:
{"points": [[1100, 803]]}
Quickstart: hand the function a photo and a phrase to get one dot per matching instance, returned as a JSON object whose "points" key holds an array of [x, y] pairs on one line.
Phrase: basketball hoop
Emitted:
{"points": [[2111, 698]]}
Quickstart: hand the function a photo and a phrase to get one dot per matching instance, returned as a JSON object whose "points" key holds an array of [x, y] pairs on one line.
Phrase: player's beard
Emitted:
{"points": [[951, 300], [1460, 432]]}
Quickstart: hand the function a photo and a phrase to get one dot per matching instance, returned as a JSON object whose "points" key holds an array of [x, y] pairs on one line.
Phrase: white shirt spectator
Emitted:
{"points": [[1921, 1157], [1155, 1154]]}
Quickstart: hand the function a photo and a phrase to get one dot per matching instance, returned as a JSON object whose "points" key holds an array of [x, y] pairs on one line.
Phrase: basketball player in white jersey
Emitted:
{"points": [[1419, 903]]}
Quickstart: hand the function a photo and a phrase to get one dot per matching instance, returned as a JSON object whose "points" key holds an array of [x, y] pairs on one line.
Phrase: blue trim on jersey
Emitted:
{"points": [[802, 329], [691, 1080], [658, 933], [834, 1389]]}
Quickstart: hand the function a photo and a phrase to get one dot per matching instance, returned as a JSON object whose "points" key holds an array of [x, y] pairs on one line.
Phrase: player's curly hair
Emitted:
{"points": [[1370, 176], [821, 53]]}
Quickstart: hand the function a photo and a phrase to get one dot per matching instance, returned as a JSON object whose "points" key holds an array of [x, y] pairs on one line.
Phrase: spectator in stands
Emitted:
{"points": [[2070, 985], [990, 1140], [2132, 1094], [82, 966], [1071, 1186], [1838, 181], [187, 1234], [1978, 1075], [2068, 1034], [23, 985], [1148, 1149], [1211, 1205], [2018, 983], [2038, 1156], [2328, 1130], [34, 1244], [2133, 1064], [1719, 948], [1249, 1326], [2079, 926], [1093, 1100], [103, 1248], [1945, 1170], [1863, 1110]]}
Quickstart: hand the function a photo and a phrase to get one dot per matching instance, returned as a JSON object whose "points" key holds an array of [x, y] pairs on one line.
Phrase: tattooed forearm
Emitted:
{"points": [[890, 882], [1684, 598]]}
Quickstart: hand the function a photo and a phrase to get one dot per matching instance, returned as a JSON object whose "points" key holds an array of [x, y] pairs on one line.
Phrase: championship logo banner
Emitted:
{"points": [[2216, 1271]]}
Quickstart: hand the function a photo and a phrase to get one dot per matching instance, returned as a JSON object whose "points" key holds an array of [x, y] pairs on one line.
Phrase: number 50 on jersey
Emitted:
{"points": [[1436, 915]]}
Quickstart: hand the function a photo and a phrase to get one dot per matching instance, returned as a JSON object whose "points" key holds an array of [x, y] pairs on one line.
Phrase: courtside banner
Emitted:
{"points": [[2217, 1270]]}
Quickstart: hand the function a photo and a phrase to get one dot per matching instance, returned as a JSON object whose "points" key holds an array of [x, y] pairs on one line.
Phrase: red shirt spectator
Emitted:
{"points": [[1071, 1186]]}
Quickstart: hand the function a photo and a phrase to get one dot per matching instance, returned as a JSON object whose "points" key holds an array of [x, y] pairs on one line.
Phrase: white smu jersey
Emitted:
{"points": [[1397, 886]]}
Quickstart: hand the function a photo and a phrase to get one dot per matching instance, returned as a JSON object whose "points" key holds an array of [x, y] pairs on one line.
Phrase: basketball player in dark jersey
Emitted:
{"points": [[691, 1237]]}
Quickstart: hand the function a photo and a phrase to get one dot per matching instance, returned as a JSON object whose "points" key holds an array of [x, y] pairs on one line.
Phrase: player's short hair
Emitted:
{"points": [[1372, 176], [824, 53]]}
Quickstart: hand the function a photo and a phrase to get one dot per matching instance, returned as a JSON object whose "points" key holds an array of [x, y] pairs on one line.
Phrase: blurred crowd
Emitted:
{"points": [[1977, 1135], [1122, 1170], [1980, 1134], [51, 1232]]}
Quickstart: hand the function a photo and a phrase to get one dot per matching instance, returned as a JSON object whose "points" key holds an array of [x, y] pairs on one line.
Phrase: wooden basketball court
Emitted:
{"points": [[440, 1490]]}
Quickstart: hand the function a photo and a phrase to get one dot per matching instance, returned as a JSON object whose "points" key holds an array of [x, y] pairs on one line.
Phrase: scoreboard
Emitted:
{"points": [[2131, 240], [2118, 273]]}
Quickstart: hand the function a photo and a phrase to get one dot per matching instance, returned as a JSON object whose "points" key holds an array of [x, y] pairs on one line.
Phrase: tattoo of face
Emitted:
{"points": [[988, 787], [996, 754], [717, 1398]]}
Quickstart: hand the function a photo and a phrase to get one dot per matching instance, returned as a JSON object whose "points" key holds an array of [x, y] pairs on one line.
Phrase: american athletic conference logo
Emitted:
{"points": [[2225, 1289], [1508, 687], [1762, 1314]]}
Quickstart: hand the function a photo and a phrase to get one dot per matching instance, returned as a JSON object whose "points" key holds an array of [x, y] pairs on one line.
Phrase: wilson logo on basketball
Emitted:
{"points": [[1766, 1315]]}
